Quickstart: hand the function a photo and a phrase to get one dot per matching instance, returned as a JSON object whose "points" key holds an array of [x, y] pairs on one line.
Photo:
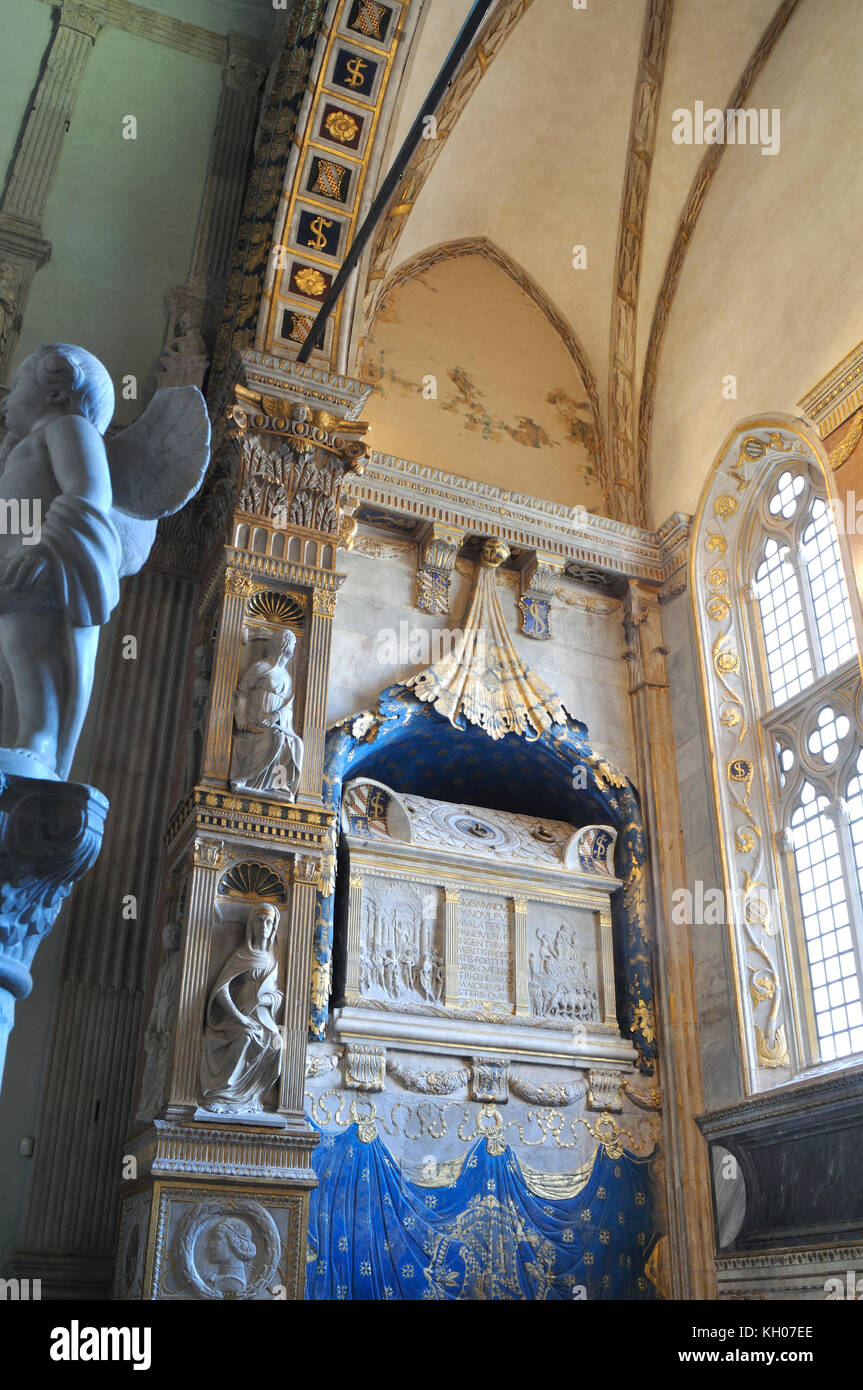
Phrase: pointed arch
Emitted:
{"points": [[483, 246], [765, 622]]}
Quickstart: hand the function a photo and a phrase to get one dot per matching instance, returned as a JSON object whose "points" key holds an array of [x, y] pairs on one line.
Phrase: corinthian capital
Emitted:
{"points": [[81, 18]]}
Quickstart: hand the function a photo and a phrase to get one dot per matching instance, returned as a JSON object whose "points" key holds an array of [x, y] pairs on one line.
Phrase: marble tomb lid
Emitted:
{"points": [[374, 812]]}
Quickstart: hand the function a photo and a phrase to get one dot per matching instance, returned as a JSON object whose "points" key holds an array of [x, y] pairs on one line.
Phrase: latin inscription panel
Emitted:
{"points": [[485, 949]]}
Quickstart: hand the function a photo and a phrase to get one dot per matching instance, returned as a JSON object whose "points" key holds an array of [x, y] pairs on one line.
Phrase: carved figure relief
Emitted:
{"points": [[228, 1250], [159, 1035], [560, 982], [267, 752], [242, 1053], [399, 956]]}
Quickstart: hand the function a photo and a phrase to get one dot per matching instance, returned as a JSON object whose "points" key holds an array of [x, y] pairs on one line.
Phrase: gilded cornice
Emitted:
{"points": [[832, 399]]}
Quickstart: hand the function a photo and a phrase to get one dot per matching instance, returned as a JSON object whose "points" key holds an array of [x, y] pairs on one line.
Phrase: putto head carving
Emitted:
{"points": [[64, 379], [494, 552]]}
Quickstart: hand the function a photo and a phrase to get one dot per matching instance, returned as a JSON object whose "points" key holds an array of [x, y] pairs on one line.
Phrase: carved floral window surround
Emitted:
{"points": [[778, 627]]}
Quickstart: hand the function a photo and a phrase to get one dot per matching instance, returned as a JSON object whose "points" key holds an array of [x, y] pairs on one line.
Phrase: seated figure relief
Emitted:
{"points": [[267, 753]]}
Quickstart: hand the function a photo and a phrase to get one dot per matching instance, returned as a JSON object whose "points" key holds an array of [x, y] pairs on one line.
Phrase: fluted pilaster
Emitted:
{"points": [[95, 1039]]}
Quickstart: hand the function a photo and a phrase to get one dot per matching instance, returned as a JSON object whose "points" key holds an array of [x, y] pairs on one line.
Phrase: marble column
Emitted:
{"points": [[690, 1224], [23, 249]]}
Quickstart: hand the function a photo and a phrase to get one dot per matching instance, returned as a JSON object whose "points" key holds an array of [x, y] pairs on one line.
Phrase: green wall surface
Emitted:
{"points": [[122, 213], [25, 28]]}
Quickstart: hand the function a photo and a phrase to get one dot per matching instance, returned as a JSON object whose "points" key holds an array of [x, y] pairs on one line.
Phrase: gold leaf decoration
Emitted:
{"points": [[310, 281], [253, 880], [341, 126], [771, 1054], [845, 448], [274, 607]]}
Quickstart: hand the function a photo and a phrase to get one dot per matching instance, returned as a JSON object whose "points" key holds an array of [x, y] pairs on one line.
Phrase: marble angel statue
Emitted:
{"points": [[267, 753], [242, 1051], [96, 502]]}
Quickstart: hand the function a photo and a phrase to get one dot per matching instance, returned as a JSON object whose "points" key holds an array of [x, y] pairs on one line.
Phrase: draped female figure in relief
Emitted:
{"points": [[242, 1053], [267, 753]]}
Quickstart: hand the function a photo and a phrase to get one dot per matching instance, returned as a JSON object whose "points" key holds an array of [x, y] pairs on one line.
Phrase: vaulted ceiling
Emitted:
{"points": [[559, 137]]}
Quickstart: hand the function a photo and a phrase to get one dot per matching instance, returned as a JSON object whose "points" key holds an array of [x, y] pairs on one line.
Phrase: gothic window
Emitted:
{"points": [[775, 612]]}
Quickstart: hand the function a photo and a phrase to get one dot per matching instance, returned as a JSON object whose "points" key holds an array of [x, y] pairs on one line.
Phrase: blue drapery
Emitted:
{"points": [[375, 1235]]}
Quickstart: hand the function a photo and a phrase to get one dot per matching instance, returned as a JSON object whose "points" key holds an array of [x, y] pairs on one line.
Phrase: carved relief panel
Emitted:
{"points": [[564, 950], [401, 954]]}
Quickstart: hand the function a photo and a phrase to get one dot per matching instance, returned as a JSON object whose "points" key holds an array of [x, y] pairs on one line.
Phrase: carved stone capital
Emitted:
{"points": [[293, 461], [243, 74], [50, 835], [324, 602], [306, 869], [239, 585], [438, 546], [74, 15], [208, 854], [645, 650]]}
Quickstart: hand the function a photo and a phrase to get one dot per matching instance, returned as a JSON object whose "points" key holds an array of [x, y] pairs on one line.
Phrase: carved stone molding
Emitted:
{"points": [[149, 24], [626, 497], [22, 248], [682, 241], [50, 835]]}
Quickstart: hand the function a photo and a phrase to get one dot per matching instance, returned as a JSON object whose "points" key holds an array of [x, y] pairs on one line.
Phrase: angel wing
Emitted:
{"points": [[159, 463]]}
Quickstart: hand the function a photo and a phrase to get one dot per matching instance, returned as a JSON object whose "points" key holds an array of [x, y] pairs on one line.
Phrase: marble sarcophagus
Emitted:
{"points": [[475, 931]]}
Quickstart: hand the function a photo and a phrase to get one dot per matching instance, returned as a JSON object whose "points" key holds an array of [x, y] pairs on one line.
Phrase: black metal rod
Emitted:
{"points": [[393, 178]]}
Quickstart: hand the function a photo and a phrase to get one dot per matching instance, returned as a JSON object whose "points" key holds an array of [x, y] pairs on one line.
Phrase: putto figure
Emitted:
{"points": [[267, 753], [98, 502]]}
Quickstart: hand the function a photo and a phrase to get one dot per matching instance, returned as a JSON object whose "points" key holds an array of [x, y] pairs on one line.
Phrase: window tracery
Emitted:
{"points": [[785, 713]]}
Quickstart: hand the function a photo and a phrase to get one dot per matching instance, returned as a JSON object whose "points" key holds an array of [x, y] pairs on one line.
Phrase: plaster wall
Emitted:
{"points": [[122, 213], [583, 661], [770, 288]]}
